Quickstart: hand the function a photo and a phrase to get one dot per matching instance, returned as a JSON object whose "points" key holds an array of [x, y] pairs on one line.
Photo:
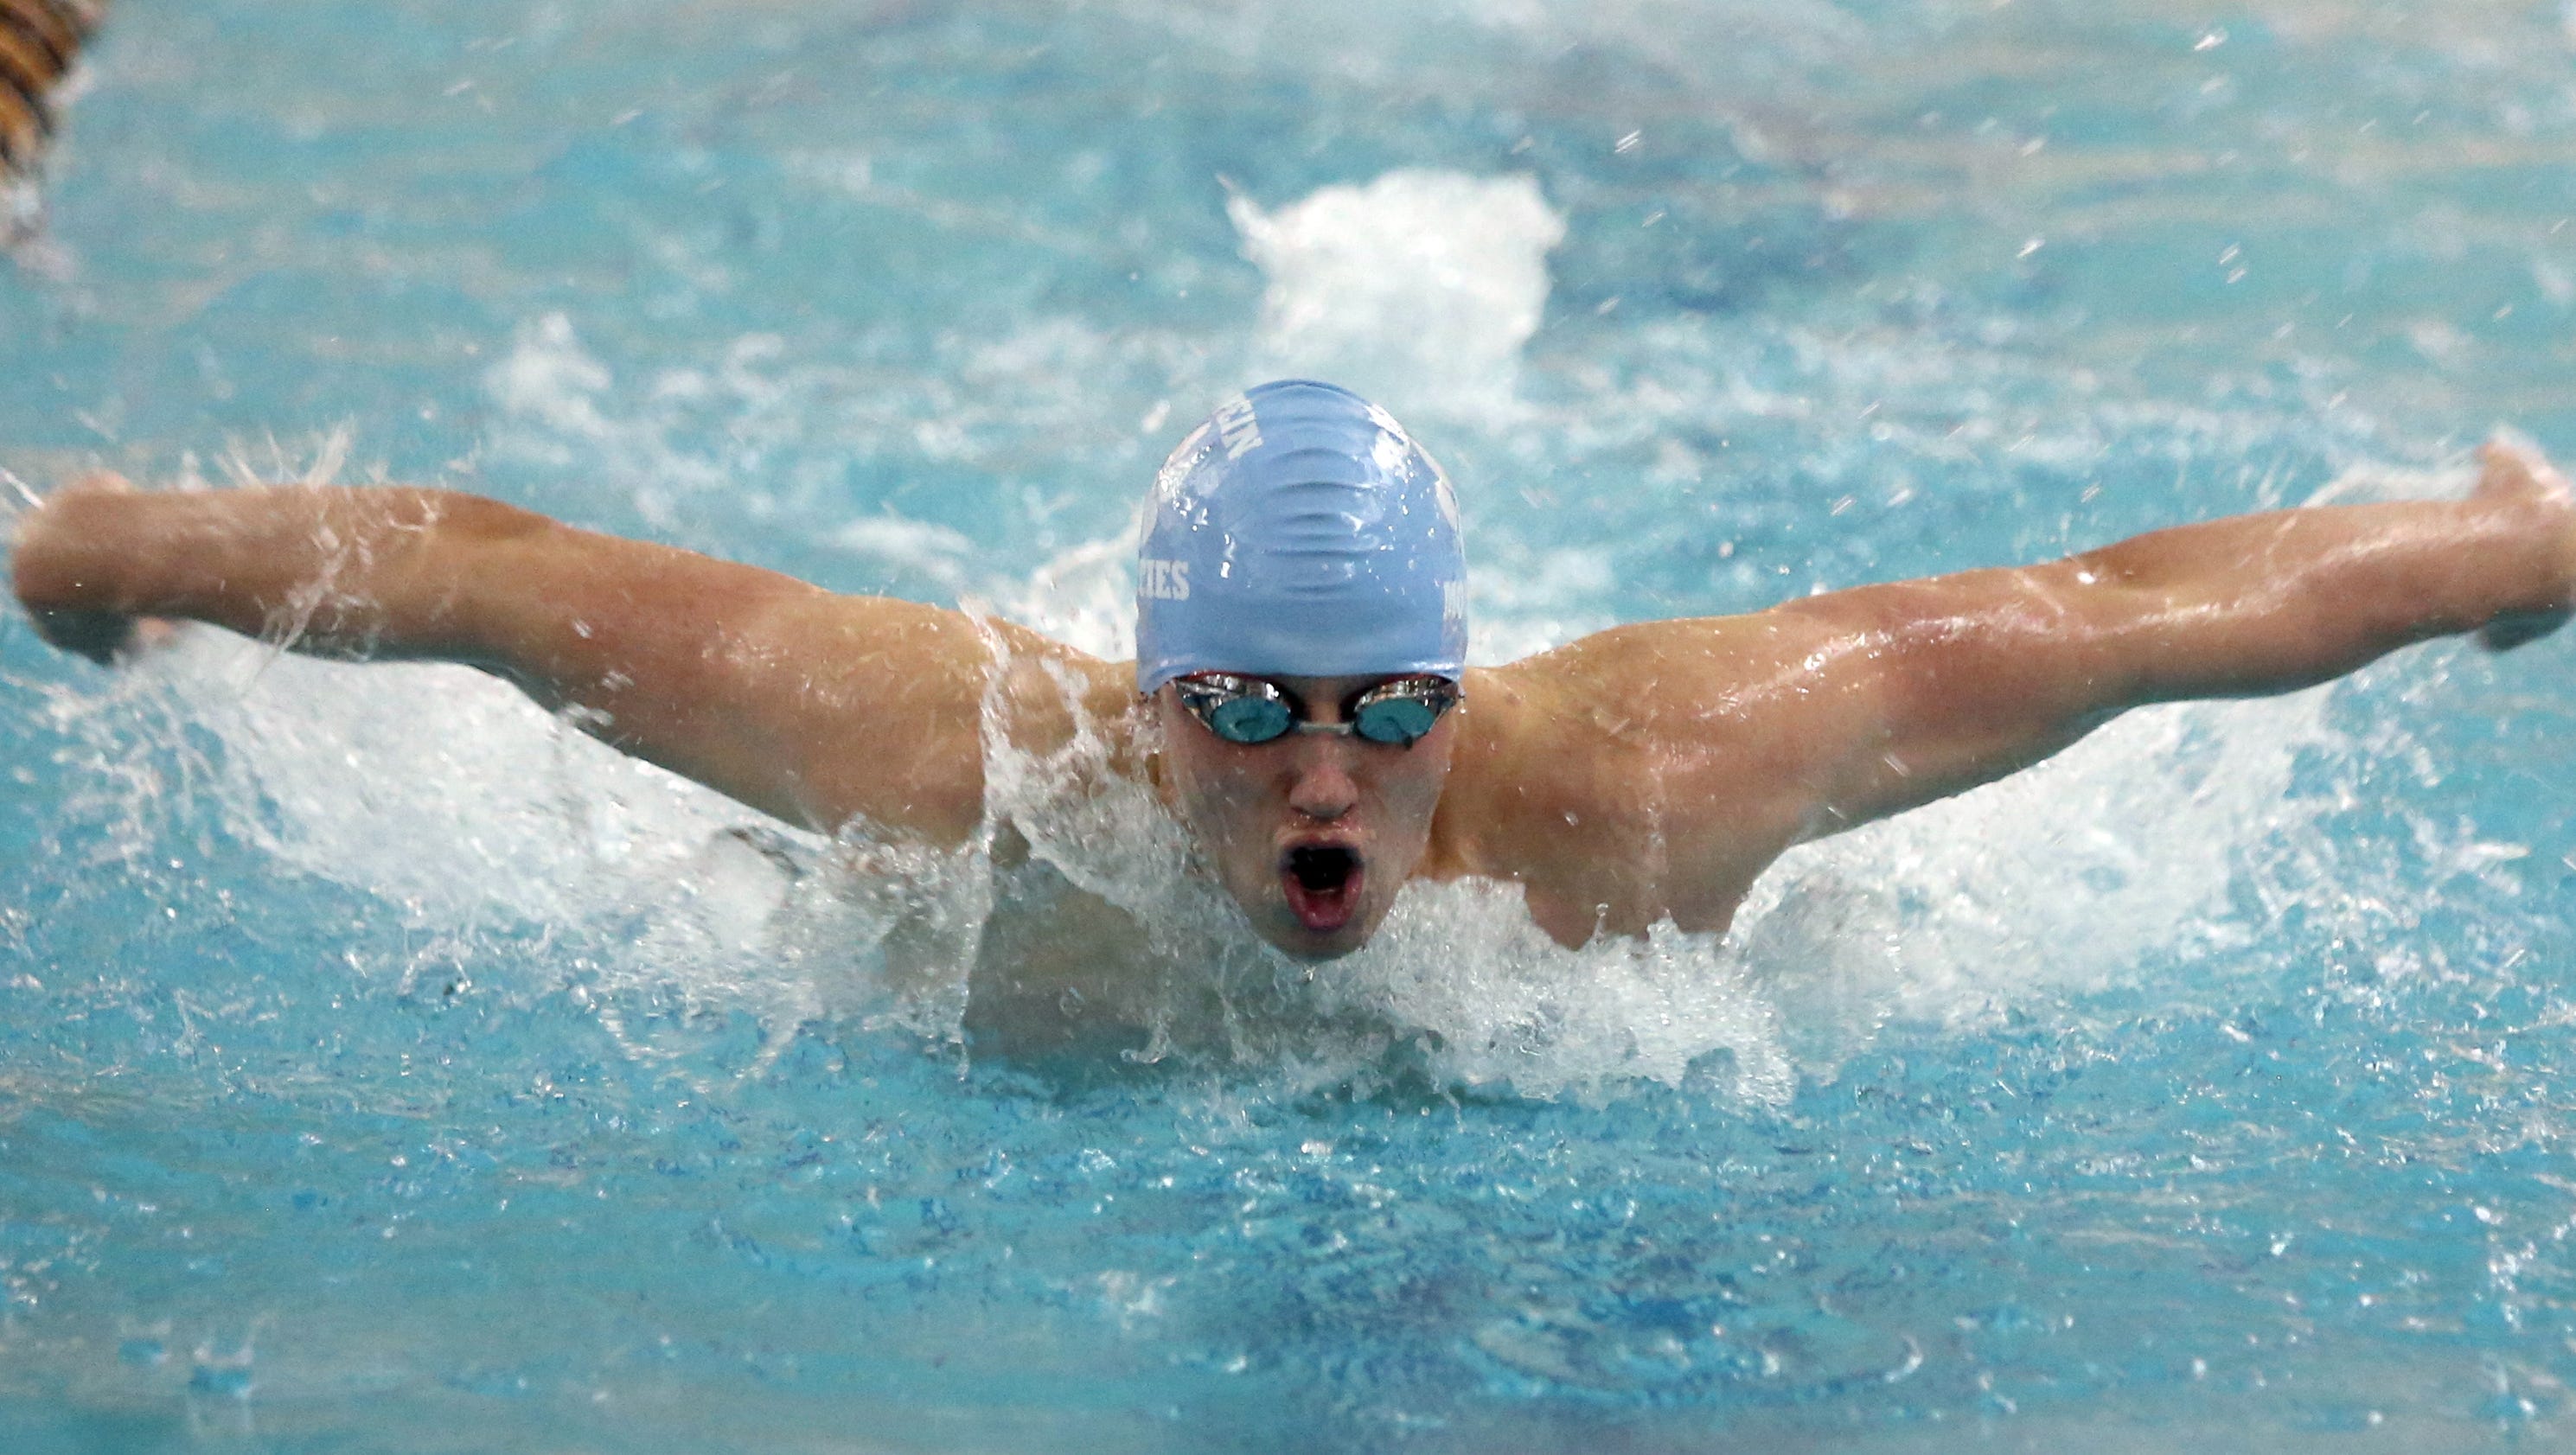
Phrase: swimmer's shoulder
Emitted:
{"points": [[1048, 698], [1670, 743], [1624, 688], [1531, 768]]}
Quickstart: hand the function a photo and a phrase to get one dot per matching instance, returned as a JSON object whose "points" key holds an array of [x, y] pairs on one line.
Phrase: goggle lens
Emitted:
{"points": [[1248, 719], [1401, 720]]}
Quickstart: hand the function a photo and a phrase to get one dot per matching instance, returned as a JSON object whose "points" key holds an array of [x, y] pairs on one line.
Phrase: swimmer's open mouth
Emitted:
{"points": [[1323, 884]]}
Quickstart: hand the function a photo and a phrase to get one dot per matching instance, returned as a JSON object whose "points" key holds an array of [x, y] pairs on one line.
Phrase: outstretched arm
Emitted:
{"points": [[1657, 768], [807, 705], [1969, 677]]}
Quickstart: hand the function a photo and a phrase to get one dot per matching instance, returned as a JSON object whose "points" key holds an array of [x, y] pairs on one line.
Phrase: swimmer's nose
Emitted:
{"points": [[1324, 790]]}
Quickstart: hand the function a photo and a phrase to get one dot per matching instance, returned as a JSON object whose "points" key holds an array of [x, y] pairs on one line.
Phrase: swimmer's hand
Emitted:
{"points": [[2515, 477], [104, 637]]}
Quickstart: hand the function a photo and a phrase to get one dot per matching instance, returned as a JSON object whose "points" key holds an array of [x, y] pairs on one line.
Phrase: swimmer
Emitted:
{"points": [[1301, 705]]}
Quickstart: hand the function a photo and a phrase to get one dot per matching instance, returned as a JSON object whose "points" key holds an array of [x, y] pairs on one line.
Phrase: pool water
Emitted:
{"points": [[384, 1067]]}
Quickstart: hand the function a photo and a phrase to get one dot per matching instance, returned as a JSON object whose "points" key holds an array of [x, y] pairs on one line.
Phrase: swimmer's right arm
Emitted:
{"points": [[808, 705]]}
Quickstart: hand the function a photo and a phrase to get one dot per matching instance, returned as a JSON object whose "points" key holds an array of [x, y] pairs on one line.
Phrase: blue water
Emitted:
{"points": [[384, 1069]]}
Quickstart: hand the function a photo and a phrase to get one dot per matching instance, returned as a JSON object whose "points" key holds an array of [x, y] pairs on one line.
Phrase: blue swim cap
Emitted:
{"points": [[1300, 532]]}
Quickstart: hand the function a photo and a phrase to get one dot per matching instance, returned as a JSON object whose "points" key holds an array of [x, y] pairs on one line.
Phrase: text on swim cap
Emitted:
{"points": [[1236, 424], [1163, 580]]}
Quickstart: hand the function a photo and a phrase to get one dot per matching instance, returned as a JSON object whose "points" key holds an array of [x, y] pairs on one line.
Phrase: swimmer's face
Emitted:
{"points": [[1312, 834]]}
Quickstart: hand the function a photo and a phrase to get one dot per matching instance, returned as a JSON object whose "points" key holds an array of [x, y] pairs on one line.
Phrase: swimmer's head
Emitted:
{"points": [[1300, 539], [1300, 532]]}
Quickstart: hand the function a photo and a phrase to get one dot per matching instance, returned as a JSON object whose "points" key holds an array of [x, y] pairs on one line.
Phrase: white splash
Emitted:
{"points": [[451, 798], [1418, 289], [1512, 1010], [1083, 596], [435, 787], [2060, 880]]}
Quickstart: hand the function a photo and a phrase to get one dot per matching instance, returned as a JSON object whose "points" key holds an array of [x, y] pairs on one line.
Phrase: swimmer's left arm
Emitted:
{"points": [[1656, 769], [1939, 685]]}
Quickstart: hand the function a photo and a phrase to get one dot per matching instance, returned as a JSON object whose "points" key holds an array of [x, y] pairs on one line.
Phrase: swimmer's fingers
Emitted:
{"points": [[2508, 632], [2514, 472], [2515, 469], [104, 637]]}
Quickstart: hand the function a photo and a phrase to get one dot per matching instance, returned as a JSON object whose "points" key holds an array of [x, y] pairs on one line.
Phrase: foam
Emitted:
{"points": [[2061, 881], [1417, 289]]}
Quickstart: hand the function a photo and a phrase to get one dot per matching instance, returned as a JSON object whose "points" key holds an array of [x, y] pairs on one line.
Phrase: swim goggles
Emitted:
{"points": [[1250, 710]]}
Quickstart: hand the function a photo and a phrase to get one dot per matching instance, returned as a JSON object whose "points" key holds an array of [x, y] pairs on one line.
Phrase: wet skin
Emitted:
{"points": [[1644, 774], [1253, 808]]}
